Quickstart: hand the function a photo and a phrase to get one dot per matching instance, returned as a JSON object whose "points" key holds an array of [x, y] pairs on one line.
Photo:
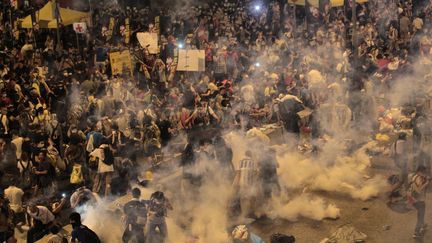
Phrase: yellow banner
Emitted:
{"points": [[127, 31], [120, 62], [157, 24], [110, 28]]}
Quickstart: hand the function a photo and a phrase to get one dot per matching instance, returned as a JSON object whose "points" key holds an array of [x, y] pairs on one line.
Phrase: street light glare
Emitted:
{"points": [[257, 7]]}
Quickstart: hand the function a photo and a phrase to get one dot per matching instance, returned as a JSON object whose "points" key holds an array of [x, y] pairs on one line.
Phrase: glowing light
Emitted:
{"points": [[257, 64], [257, 7], [63, 195], [180, 45]]}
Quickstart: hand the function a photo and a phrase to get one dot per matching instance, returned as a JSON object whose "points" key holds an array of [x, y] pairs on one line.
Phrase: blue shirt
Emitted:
{"points": [[255, 239], [97, 138]]}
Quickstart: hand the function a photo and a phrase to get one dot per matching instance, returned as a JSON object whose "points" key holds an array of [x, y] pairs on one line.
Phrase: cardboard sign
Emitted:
{"points": [[120, 62], [149, 41], [191, 60]]}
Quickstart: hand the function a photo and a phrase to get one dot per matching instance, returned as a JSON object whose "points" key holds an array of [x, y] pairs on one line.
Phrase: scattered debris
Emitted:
{"points": [[346, 234], [386, 227]]}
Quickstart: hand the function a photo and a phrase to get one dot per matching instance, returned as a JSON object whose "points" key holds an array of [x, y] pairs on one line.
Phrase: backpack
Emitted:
{"points": [[109, 157], [281, 238], [90, 144], [55, 134], [52, 172], [93, 162], [136, 212], [158, 209], [26, 176], [411, 193], [76, 176], [55, 159]]}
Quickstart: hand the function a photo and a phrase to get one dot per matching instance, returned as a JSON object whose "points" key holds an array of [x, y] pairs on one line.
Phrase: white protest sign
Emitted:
{"points": [[191, 60], [149, 40]]}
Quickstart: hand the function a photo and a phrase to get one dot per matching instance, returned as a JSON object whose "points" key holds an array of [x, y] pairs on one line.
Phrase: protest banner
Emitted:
{"points": [[120, 62], [149, 41], [191, 60]]}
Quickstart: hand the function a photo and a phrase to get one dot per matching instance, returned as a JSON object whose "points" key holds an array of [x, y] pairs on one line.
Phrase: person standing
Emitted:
{"points": [[102, 181], [17, 141], [404, 28], [136, 216], [400, 156], [268, 175], [416, 196], [156, 212], [245, 183], [44, 173]]}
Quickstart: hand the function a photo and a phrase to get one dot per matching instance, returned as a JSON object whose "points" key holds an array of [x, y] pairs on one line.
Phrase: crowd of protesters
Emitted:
{"points": [[68, 125]]}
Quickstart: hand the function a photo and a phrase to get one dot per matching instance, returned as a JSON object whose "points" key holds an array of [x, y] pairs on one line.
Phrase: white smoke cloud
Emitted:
{"points": [[306, 206]]}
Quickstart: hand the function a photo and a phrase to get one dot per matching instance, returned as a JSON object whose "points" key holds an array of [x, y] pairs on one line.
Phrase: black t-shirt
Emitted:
{"points": [[136, 212], [83, 234], [164, 126], [45, 179]]}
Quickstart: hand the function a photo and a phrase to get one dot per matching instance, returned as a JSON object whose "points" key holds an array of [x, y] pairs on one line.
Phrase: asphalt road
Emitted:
{"points": [[373, 217]]}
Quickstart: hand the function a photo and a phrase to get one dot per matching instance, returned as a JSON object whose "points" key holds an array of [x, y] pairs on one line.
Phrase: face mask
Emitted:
{"points": [[75, 225]]}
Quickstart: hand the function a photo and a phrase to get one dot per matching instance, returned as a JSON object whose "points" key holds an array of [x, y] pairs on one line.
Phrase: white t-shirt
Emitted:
{"points": [[102, 167], [14, 195], [43, 215], [75, 198], [22, 165], [18, 145]]}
